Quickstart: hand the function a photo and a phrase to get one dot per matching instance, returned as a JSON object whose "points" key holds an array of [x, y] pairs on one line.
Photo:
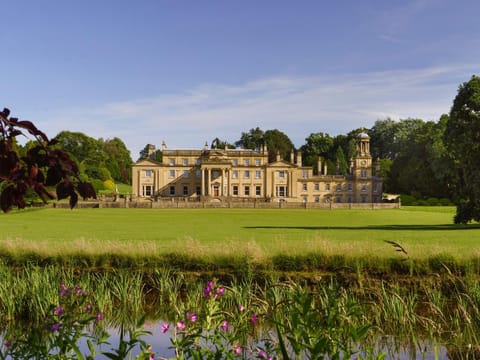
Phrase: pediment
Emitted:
{"points": [[282, 164], [216, 153], [147, 162]]}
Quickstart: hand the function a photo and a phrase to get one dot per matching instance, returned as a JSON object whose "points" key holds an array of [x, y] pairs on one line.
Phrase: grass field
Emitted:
{"points": [[256, 234]]}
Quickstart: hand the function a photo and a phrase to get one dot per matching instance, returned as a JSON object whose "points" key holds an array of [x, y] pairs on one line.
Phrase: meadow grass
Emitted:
{"points": [[225, 238]]}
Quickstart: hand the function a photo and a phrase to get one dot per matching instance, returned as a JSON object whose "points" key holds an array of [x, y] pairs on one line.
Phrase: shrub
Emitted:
{"points": [[408, 200], [109, 185]]}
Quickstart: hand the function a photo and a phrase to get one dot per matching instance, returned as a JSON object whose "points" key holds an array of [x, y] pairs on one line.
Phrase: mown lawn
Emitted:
{"points": [[260, 233]]}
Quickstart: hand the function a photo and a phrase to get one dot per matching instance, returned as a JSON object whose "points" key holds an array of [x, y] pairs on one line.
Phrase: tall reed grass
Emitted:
{"points": [[442, 308]]}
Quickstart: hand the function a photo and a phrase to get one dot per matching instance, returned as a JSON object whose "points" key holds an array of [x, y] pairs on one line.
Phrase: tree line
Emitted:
{"points": [[412, 153], [102, 162], [418, 158]]}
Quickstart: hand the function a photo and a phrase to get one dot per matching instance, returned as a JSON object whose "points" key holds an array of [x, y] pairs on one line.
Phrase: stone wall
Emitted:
{"points": [[240, 205]]}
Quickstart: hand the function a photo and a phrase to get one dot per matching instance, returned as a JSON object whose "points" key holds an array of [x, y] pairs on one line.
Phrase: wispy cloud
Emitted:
{"points": [[297, 105], [397, 19]]}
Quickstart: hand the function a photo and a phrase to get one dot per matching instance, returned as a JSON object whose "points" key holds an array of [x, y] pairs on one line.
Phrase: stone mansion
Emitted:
{"points": [[246, 175]]}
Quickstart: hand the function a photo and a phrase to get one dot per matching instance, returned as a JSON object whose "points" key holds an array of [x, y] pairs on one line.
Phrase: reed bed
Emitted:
{"points": [[443, 309]]}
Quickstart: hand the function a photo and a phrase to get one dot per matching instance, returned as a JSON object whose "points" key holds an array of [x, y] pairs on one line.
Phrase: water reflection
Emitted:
{"points": [[394, 349]]}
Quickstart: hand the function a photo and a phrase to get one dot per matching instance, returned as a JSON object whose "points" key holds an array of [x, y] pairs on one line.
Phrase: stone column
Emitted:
{"points": [[289, 185], [228, 182], [209, 180], [274, 194], [202, 175], [222, 183]]}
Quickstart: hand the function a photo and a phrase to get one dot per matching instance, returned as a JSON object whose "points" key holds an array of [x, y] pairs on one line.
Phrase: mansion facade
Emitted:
{"points": [[230, 174]]}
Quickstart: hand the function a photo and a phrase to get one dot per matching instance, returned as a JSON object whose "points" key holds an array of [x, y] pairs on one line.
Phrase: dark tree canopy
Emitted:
{"points": [[149, 152], [275, 140], [253, 139], [462, 140], [278, 142], [43, 165], [221, 144], [317, 145], [341, 164]]}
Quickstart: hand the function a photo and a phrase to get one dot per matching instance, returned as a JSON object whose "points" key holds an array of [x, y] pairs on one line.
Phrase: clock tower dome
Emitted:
{"points": [[362, 161]]}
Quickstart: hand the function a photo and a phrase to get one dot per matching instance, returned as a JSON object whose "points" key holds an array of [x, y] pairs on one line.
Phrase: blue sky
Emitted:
{"points": [[188, 71]]}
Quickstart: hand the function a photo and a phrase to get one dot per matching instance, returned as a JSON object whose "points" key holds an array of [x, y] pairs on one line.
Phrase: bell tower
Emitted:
{"points": [[362, 161]]}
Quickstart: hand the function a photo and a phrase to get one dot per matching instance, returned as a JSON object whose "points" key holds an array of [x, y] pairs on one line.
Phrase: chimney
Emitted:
{"points": [[299, 158], [325, 169], [278, 156], [292, 157], [265, 150], [319, 166], [377, 167], [164, 146], [206, 146]]}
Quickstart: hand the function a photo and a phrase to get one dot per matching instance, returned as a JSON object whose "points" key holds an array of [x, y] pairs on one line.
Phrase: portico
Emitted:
{"points": [[215, 179]]}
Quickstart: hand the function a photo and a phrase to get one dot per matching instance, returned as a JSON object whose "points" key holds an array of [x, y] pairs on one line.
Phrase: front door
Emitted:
{"points": [[216, 190]]}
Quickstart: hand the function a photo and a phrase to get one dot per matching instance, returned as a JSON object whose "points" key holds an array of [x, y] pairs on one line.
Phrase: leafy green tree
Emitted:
{"points": [[383, 139], [87, 151], [317, 145], [417, 167], [462, 140], [278, 142], [118, 159], [81, 147], [253, 139]]}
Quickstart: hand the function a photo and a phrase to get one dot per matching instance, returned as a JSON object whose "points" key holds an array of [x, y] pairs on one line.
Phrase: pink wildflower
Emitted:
{"points": [[224, 325], [191, 316], [64, 291], [237, 349], [220, 292], [165, 327], [58, 311], [263, 355]]}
